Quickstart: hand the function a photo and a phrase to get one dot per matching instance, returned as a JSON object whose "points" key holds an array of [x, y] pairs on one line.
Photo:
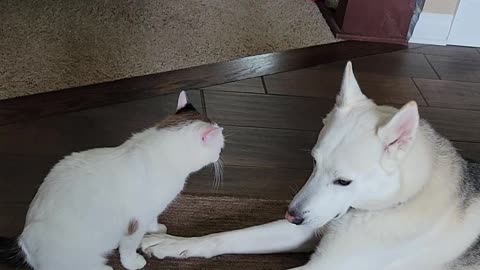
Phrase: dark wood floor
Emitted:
{"points": [[271, 122]]}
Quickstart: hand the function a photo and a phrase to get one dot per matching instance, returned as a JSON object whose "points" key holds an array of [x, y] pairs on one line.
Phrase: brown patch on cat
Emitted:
{"points": [[182, 119], [132, 227]]}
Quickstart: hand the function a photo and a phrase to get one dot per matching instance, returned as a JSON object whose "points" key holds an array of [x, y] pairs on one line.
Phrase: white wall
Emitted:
{"points": [[465, 29], [435, 21]]}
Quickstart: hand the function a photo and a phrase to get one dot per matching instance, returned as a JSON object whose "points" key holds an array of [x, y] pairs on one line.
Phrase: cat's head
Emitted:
{"points": [[198, 139]]}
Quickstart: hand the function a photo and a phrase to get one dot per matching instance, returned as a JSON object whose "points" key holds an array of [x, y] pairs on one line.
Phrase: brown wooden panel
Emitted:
{"points": [[12, 220], [252, 182], [266, 110], [450, 94], [453, 51], [263, 147], [253, 85], [36, 106], [19, 184], [468, 150], [456, 69], [456, 125], [325, 82], [394, 64], [380, 18], [99, 127]]}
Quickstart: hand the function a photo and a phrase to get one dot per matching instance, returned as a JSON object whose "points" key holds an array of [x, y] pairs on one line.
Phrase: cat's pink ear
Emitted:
{"points": [[213, 134], [182, 100]]}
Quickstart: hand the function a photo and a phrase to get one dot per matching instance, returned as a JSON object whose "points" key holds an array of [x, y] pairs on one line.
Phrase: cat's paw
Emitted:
{"points": [[157, 228], [133, 262], [163, 245]]}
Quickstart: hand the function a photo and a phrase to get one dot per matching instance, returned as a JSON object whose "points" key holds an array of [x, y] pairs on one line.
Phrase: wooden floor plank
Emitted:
{"points": [[325, 82], [456, 125], [456, 69], [450, 94], [291, 113], [98, 127], [252, 182], [261, 147], [12, 219], [393, 64], [468, 150], [453, 51], [253, 85], [266, 111], [18, 184]]}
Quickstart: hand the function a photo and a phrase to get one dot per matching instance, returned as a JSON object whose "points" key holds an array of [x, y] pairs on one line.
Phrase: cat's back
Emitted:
{"points": [[79, 179], [82, 166]]}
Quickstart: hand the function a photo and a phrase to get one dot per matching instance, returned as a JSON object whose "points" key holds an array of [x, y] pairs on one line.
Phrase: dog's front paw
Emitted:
{"points": [[133, 262], [163, 245]]}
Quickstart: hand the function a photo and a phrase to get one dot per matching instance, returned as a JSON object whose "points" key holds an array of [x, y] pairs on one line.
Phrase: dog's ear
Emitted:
{"points": [[350, 92], [398, 134]]}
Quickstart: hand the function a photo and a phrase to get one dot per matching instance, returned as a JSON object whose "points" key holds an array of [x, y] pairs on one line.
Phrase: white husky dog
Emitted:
{"points": [[387, 191]]}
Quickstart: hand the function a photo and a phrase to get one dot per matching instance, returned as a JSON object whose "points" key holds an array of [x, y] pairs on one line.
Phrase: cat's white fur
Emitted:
{"points": [[88, 201]]}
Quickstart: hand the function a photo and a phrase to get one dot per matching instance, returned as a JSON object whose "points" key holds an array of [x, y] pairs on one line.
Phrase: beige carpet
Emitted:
{"points": [[48, 45]]}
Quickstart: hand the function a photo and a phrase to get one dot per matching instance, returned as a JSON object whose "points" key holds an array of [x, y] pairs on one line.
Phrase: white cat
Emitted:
{"points": [[97, 200]]}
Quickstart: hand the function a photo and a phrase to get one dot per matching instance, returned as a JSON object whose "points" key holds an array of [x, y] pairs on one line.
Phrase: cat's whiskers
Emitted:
{"points": [[218, 178]]}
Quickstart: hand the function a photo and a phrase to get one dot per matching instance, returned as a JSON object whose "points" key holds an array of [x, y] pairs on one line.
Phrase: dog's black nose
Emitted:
{"points": [[293, 217]]}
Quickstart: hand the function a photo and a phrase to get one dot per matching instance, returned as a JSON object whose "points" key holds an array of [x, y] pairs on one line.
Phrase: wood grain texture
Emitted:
{"points": [[241, 109], [12, 220], [97, 127], [21, 175], [468, 150], [456, 69], [262, 147], [393, 64], [74, 99], [456, 125], [325, 82], [454, 51], [450, 94], [250, 182], [253, 85]]}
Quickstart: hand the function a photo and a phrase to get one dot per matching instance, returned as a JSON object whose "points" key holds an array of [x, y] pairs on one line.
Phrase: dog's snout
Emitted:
{"points": [[294, 217]]}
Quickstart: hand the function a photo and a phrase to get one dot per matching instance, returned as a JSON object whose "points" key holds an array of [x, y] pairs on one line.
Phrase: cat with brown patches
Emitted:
{"points": [[94, 201]]}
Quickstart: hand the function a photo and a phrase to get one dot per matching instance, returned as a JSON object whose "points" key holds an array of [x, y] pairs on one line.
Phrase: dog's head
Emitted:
{"points": [[357, 157]]}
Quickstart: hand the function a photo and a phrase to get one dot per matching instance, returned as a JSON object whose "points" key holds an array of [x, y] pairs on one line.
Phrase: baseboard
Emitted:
{"points": [[432, 28]]}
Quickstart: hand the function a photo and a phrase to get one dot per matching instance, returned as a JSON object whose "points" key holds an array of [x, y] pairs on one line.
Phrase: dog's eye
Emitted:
{"points": [[314, 162], [342, 182]]}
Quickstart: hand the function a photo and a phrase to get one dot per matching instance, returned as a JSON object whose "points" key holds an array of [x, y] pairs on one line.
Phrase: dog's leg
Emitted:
{"points": [[275, 237]]}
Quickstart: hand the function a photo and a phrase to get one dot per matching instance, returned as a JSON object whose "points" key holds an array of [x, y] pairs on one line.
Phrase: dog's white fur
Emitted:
{"points": [[404, 208], [87, 202]]}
